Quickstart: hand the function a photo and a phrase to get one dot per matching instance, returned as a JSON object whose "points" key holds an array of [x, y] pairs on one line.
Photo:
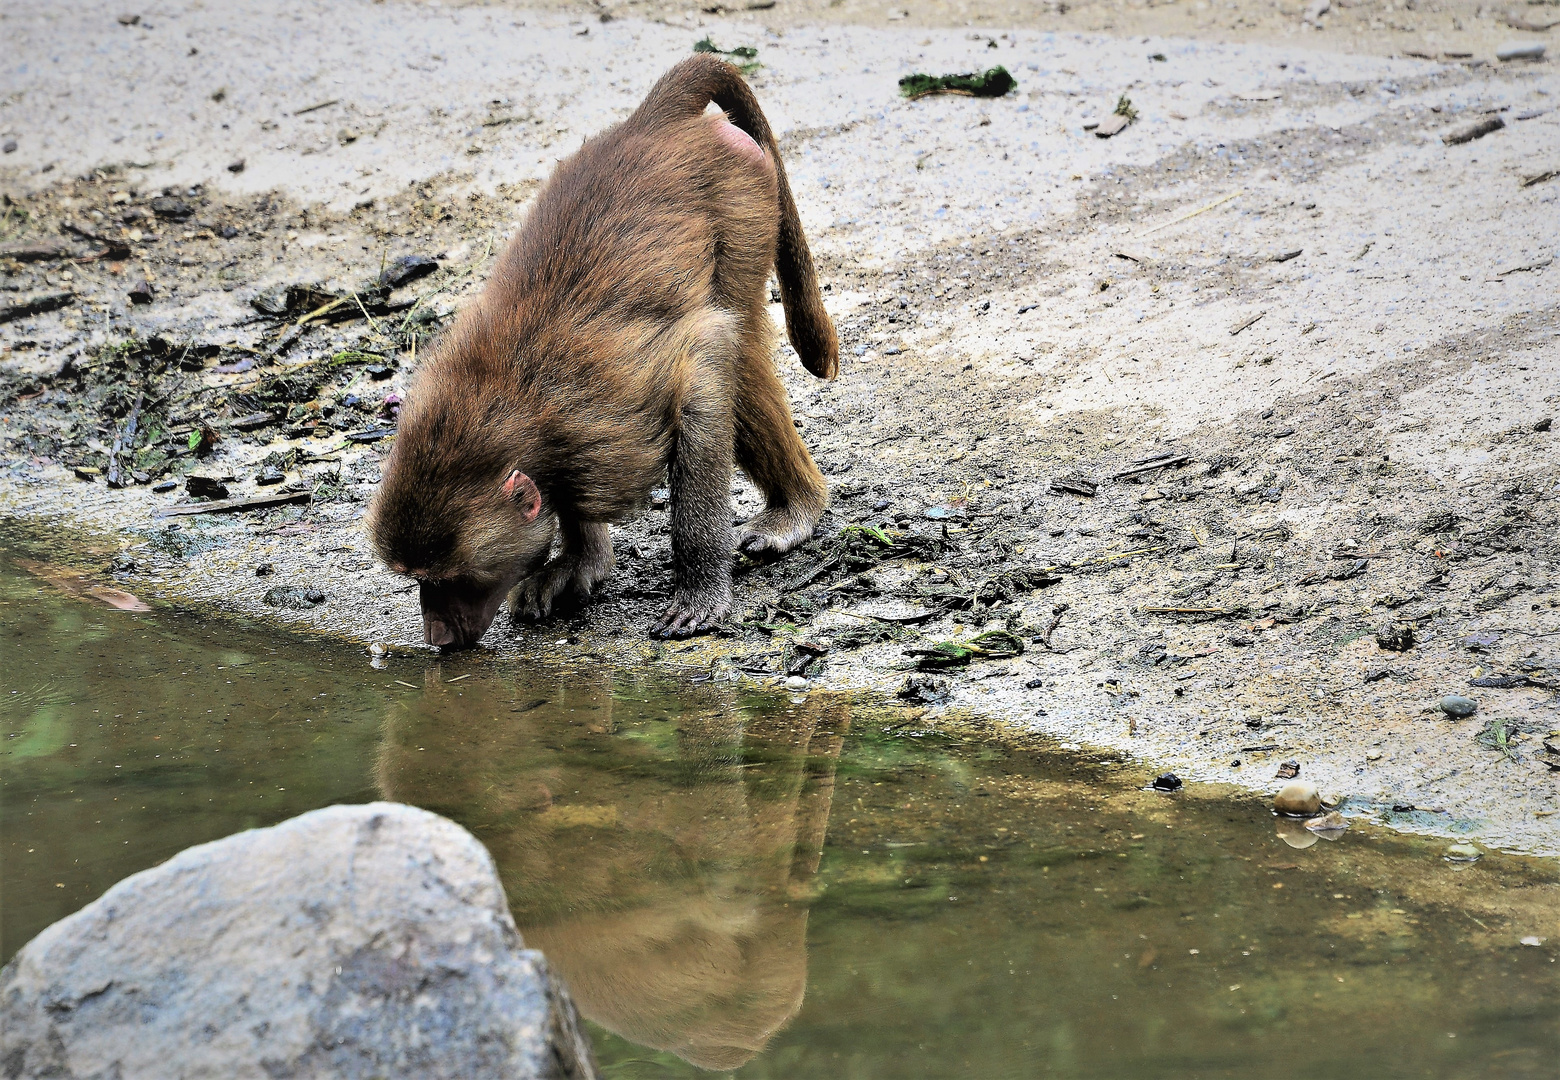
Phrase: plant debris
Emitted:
{"points": [[992, 645], [991, 83], [745, 57]]}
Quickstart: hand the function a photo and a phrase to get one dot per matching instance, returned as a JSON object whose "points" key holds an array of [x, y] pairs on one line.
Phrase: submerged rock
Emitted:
{"points": [[353, 941]]}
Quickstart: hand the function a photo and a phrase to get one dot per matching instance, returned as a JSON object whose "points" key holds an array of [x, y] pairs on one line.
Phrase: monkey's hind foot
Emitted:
{"points": [[693, 613], [775, 532]]}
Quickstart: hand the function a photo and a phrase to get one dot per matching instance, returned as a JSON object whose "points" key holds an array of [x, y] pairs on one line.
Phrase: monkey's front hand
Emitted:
{"points": [[693, 612], [584, 562]]}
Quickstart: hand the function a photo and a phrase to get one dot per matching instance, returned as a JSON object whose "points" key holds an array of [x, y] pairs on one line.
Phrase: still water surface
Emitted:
{"points": [[762, 886]]}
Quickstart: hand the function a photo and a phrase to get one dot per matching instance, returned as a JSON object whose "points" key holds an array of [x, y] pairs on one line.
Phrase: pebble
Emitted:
{"points": [[1333, 822], [1453, 705], [797, 683], [1520, 50], [1298, 798], [1396, 637], [1463, 853], [1168, 782]]}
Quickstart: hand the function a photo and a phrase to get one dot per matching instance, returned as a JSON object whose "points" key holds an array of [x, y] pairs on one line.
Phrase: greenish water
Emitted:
{"points": [[769, 887]]}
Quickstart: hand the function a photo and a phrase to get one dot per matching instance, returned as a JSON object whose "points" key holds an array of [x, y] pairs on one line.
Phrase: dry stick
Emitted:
{"points": [[1187, 217], [227, 506], [323, 309], [374, 325]]}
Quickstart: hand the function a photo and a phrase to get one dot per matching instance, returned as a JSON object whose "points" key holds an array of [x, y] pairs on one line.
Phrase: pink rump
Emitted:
{"points": [[739, 141]]}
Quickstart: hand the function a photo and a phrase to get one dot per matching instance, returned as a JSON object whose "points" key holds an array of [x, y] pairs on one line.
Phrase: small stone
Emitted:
{"points": [[1521, 50], [406, 269], [265, 569], [1545, 424], [141, 293], [1534, 940], [1333, 822], [1396, 637], [1287, 771], [9, 147], [1114, 124], [164, 486], [270, 475], [293, 598], [924, 690], [227, 232], [796, 683], [205, 487], [129, 20], [172, 209], [1033, 684], [1463, 853], [1459, 707], [1168, 782], [1299, 798], [1331, 800], [236, 167]]}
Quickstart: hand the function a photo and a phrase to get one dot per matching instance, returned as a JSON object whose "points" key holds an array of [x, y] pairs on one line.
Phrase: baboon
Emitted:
{"points": [[623, 337]]}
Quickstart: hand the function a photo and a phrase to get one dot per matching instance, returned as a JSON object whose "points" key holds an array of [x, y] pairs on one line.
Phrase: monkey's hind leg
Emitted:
{"points": [[773, 455], [700, 474], [582, 564]]}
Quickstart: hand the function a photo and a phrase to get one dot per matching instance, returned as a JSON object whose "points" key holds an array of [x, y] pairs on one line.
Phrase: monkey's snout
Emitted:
{"points": [[438, 633]]}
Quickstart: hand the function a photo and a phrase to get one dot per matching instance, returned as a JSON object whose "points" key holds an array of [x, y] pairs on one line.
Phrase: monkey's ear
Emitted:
{"points": [[522, 489]]}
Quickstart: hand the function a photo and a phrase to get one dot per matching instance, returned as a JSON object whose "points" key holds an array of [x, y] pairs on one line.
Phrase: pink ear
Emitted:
{"points": [[522, 489]]}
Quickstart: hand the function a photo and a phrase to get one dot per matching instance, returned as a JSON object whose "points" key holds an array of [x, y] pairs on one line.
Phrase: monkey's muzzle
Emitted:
{"points": [[457, 613]]}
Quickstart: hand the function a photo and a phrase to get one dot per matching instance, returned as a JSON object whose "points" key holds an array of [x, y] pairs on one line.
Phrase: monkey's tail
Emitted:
{"points": [[684, 91]]}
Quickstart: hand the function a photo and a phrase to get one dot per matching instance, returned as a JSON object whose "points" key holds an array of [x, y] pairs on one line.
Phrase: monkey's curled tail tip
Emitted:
{"points": [[826, 364]]}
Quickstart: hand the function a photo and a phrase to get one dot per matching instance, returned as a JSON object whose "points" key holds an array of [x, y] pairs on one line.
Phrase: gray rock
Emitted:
{"points": [[354, 941], [1452, 705]]}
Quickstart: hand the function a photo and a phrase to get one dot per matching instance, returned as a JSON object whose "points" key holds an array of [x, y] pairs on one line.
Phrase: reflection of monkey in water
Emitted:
{"points": [[623, 336], [667, 883]]}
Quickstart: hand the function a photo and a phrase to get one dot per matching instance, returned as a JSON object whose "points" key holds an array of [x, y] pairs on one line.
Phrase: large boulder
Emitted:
{"points": [[354, 941]]}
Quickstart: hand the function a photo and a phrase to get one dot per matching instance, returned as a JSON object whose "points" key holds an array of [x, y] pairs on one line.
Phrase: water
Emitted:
{"points": [[768, 887]]}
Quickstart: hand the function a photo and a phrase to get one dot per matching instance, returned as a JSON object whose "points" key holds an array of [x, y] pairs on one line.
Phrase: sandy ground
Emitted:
{"points": [[1020, 302]]}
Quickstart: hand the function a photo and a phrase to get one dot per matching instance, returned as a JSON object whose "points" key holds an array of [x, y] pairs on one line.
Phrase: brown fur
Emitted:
{"points": [[623, 336]]}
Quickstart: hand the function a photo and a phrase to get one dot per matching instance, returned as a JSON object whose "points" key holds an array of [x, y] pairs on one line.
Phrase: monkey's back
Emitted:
{"points": [[641, 242]]}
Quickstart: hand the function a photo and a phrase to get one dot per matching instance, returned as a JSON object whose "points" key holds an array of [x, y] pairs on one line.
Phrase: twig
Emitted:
{"points": [[1188, 216], [1150, 466], [228, 506]]}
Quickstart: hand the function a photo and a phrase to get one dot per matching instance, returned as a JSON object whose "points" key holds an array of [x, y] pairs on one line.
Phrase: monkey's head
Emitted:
{"points": [[466, 538]]}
